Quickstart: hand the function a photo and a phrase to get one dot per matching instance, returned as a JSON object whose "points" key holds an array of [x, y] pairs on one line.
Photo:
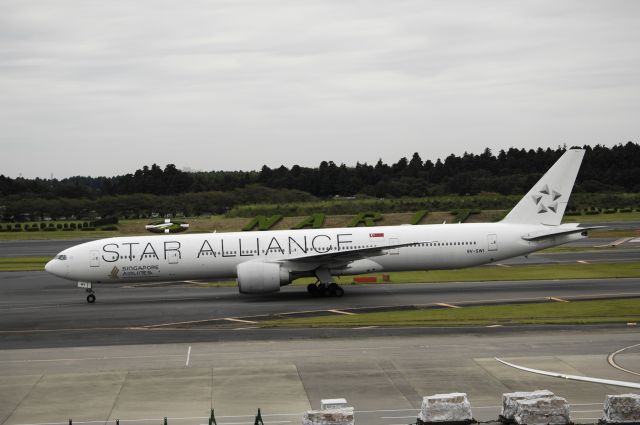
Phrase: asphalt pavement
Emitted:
{"points": [[39, 310]]}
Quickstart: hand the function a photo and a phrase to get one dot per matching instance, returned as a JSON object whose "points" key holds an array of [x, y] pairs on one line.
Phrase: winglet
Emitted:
{"points": [[546, 201]]}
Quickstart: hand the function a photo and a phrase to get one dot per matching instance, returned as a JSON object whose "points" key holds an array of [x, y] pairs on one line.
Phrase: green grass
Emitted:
{"points": [[581, 312], [75, 234], [21, 264], [219, 223], [630, 216], [521, 272]]}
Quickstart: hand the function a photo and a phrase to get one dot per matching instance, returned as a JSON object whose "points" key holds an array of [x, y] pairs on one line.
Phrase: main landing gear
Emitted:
{"points": [[325, 287]]}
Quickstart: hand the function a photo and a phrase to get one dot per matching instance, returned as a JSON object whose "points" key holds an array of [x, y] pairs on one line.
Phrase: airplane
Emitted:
{"points": [[263, 262]]}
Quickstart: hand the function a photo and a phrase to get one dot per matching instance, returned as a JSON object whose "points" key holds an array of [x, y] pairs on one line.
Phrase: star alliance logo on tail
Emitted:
{"points": [[114, 273], [546, 196]]}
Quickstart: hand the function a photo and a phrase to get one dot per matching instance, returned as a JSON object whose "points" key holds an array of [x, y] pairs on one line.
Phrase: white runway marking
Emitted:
{"points": [[188, 357], [398, 417], [448, 305], [612, 360], [231, 319], [558, 300], [573, 377], [342, 312]]}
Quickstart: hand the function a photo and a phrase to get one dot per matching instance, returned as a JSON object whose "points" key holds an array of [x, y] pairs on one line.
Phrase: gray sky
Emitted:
{"points": [[104, 87]]}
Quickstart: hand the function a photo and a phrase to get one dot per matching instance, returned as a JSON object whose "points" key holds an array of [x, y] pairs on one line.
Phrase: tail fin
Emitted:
{"points": [[546, 201]]}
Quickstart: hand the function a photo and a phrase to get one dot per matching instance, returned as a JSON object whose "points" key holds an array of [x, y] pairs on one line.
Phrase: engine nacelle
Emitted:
{"points": [[256, 277]]}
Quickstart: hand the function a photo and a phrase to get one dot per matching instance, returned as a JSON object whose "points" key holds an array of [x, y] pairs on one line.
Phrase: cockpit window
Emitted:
{"points": [[61, 257]]}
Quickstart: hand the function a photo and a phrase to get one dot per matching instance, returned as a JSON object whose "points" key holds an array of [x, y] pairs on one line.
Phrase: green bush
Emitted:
{"points": [[88, 228], [461, 215], [626, 210], [262, 222], [43, 225], [72, 226], [314, 221], [109, 227], [368, 219], [592, 212], [418, 216]]}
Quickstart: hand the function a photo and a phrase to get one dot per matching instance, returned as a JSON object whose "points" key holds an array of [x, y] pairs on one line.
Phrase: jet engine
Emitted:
{"points": [[256, 277]]}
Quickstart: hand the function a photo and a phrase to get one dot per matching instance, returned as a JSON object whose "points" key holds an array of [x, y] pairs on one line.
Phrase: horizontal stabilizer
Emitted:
{"points": [[558, 231]]}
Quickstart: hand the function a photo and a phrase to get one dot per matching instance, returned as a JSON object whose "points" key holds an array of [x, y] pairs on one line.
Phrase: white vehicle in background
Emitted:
{"points": [[262, 262]]}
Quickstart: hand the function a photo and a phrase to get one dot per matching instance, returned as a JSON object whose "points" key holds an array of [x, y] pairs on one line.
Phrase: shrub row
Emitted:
{"points": [[52, 227]]}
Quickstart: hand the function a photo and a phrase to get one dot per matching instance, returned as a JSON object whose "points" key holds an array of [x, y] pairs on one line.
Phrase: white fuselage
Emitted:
{"points": [[217, 255]]}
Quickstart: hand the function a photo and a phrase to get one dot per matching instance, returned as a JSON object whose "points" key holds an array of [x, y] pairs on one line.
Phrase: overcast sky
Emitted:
{"points": [[104, 87]]}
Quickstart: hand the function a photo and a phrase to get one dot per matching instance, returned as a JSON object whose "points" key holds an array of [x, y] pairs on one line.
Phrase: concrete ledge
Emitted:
{"points": [[621, 409], [543, 411], [509, 402], [342, 416], [453, 408]]}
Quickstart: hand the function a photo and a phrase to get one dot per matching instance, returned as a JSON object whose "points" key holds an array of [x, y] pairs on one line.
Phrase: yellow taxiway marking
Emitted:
{"points": [[558, 300], [240, 320], [448, 305], [348, 313]]}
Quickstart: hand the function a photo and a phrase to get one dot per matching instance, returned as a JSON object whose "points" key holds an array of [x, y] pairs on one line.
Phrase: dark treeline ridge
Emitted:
{"points": [[510, 172]]}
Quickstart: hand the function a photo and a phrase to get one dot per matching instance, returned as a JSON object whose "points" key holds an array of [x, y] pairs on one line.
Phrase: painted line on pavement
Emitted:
{"points": [[251, 322], [448, 305], [342, 312], [611, 359], [558, 300]]}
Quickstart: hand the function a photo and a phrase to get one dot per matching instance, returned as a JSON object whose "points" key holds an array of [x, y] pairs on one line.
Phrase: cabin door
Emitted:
{"points": [[174, 257], [492, 242], [94, 259]]}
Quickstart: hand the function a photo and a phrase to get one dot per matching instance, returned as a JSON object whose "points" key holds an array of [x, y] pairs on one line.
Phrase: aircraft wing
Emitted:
{"points": [[344, 256]]}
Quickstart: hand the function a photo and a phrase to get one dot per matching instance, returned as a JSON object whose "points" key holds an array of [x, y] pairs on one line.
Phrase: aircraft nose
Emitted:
{"points": [[55, 268]]}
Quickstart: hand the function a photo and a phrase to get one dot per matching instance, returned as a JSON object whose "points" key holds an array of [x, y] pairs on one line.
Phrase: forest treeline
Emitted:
{"points": [[509, 172]]}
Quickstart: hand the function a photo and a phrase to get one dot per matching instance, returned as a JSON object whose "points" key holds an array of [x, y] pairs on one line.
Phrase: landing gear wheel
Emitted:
{"points": [[91, 298], [312, 288], [335, 290]]}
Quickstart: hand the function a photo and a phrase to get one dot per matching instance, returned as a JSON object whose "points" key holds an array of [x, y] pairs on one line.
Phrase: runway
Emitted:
{"points": [[39, 310]]}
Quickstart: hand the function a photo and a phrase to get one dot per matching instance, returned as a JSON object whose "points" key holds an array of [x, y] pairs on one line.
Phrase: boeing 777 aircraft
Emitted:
{"points": [[262, 262]]}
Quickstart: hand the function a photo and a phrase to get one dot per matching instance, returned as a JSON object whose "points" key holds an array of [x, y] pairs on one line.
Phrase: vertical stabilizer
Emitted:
{"points": [[546, 201]]}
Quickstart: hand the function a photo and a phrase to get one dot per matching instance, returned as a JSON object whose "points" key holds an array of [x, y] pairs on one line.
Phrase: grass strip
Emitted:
{"points": [[519, 272], [21, 264], [580, 312]]}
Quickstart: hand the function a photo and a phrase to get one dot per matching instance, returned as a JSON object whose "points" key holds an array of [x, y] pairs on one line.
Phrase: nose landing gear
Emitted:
{"points": [[91, 298]]}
